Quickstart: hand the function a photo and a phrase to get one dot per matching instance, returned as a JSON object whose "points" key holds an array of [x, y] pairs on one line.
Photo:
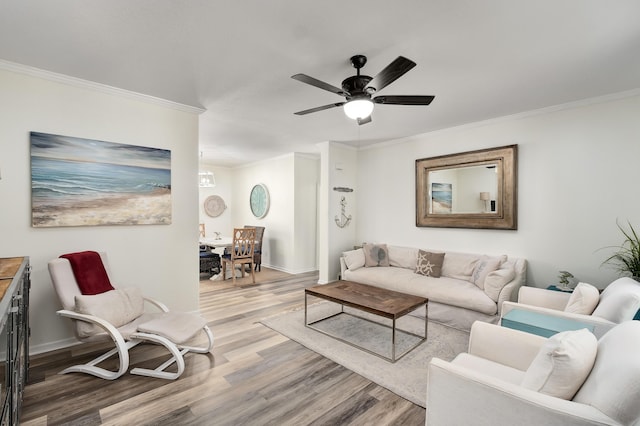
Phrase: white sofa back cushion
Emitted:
{"points": [[562, 364], [403, 257], [619, 301], [583, 300], [613, 386], [459, 265]]}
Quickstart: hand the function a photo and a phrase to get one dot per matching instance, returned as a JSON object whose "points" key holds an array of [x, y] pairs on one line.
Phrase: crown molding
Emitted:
{"points": [[98, 87]]}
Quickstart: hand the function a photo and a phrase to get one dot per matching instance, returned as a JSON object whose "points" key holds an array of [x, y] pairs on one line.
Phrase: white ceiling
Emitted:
{"points": [[234, 58]]}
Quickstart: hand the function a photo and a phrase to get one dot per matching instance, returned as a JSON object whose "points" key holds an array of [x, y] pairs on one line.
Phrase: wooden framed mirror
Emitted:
{"points": [[475, 189]]}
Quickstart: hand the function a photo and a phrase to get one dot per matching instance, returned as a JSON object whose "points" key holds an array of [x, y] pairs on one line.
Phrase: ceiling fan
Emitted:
{"points": [[358, 89]]}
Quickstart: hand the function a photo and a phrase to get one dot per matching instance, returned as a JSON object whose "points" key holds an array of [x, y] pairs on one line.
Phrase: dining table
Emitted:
{"points": [[222, 242]]}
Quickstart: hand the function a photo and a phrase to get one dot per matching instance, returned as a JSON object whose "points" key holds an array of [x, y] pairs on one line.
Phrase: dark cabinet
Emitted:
{"points": [[14, 325]]}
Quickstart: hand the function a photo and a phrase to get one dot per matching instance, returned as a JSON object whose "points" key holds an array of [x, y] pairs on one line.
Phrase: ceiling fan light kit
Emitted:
{"points": [[358, 89], [358, 108]]}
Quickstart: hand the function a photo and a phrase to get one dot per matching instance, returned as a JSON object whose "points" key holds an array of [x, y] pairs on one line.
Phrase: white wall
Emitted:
{"points": [[222, 223], [577, 172], [339, 168], [160, 259], [289, 180], [305, 233]]}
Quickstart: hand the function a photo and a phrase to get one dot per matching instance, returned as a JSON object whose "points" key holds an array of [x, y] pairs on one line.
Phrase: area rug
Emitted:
{"points": [[406, 377]]}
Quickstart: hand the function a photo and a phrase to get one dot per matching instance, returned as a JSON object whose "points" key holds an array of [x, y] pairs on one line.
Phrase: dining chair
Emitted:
{"points": [[240, 253], [257, 252]]}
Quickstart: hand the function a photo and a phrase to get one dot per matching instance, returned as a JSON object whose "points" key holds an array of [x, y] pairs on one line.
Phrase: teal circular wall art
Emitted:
{"points": [[259, 201]]}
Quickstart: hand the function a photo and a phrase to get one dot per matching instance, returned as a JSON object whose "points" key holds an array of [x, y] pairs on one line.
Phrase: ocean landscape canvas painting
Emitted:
{"points": [[441, 199], [86, 182]]}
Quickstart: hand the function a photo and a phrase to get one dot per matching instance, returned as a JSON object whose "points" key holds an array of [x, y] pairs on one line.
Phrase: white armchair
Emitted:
{"points": [[619, 302], [483, 386]]}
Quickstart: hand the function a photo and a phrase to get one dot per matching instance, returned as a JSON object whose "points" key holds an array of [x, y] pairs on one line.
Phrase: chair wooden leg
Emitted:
{"points": [[253, 273]]}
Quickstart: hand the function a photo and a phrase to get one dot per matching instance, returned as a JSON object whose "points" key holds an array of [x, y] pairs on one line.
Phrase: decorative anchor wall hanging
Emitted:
{"points": [[344, 219]]}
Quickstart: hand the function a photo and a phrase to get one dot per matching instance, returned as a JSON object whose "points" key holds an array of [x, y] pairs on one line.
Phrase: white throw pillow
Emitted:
{"points": [[483, 267], [354, 259], [117, 307], [619, 301], [583, 300], [496, 280], [562, 364]]}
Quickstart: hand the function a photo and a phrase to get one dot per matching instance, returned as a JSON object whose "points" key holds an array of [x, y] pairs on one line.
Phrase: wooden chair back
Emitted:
{"points": [[244, 240]]}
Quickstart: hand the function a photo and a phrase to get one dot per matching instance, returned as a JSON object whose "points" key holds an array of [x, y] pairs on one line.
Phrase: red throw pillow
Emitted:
{"points": [[89, 271]]}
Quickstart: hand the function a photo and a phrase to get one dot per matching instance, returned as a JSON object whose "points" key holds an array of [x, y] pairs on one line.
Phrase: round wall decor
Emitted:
{"points": [[214, 205], [259, 201]]}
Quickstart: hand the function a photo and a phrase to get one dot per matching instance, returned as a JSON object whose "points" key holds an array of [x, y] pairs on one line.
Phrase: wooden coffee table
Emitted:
{"points": [[379, 301]]}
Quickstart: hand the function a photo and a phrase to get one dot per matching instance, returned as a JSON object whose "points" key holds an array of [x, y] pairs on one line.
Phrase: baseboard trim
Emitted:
{"points": [[53, 346]]}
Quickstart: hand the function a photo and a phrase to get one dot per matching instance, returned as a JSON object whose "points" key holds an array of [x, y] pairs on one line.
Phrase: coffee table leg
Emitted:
{"points": [[393, 341], [305, 309], [426, 319]]}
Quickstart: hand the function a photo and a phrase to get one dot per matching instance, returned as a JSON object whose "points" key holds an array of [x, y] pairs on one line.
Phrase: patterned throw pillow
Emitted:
{"points": [[375, 255], [429, 264]]}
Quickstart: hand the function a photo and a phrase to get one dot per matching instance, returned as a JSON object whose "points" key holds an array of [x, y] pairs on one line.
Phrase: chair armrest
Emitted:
{"points": [[457, 395], [505, 346], [105, 325], [157, 303], [600, 325], [542, 297]]}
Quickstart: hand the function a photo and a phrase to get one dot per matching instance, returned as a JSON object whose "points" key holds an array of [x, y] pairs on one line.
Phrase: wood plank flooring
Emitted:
{"points": [[254, 376]]}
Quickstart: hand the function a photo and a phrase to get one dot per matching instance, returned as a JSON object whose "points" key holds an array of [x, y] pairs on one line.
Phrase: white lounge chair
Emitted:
{"points": [[119, 315]]}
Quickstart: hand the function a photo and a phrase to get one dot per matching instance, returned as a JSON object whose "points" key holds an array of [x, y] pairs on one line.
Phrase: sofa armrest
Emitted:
{"points": [[457, 395], [505, 346], [542, 297], [343, 267], [600, 325]]}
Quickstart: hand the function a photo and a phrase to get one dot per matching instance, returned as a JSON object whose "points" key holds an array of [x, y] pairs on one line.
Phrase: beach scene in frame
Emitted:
{"points": [[441, 198], [85, 182]]}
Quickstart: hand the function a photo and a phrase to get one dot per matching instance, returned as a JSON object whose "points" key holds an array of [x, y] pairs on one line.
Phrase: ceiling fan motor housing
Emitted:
{"points": [[355, 86]]}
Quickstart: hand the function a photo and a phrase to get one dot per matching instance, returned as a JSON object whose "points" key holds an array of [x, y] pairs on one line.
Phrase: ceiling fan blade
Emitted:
{"points": [[403, 100], [320, 108], [391, 73], [365, 120], [319, 84]]}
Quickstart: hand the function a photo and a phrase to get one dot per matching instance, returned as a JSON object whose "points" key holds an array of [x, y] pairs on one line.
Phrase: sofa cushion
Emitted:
{"points": [[562, 364], [613, 386], [459, 265], [483, 267], [117, 307], [583, 300], [375, 255], [429, 264], [403, 257], [619, 301], [354, 259], [496, 280]]}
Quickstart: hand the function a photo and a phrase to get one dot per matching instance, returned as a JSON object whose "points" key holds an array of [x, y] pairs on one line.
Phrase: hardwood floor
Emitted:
{"points": [[254, 376]]}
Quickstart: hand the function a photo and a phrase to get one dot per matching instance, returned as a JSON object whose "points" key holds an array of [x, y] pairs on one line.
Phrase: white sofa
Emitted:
{"points": [[489, 384], [454, 299]]}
